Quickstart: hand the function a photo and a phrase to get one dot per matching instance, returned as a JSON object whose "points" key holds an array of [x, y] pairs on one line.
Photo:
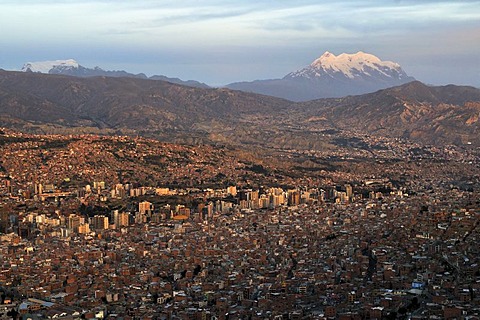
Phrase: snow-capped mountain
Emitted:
{"points": [[50, 66], [350, 66], [332, 76], [71, 67]]}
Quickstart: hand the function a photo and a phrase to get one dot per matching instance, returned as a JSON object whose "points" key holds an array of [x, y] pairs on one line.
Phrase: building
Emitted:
{"points": [[74, 221], [121, 219], [100, 222], [145, 207]]}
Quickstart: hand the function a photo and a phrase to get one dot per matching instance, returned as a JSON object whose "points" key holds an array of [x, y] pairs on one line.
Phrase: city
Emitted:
{"points": [[234, 239], [239, 160]]}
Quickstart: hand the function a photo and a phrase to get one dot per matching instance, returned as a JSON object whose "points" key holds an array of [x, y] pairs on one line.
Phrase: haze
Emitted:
{"points": [[218, 42]]}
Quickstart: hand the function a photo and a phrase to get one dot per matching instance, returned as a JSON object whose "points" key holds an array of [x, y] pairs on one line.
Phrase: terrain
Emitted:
{"points": [[76, 160], [73, 161], [126, 225], [429, 115], [40, 103], [71, 67], [118, 197], [331, 76]]}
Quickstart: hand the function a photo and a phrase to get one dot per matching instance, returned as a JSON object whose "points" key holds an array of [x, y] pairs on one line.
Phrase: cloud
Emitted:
{"points": [[213, 19], [260, 37]]}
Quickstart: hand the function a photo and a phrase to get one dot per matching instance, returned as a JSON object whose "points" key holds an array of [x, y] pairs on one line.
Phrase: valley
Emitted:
{"points": [[171, 201]]}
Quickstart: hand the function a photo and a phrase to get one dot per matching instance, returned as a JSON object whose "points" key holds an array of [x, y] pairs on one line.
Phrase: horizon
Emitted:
{"points": [[436, 42]]}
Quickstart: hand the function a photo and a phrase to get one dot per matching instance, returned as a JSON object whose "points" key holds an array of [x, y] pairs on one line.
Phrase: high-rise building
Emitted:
{"points": [[181, 212], [123, 219], [293, 197], [120, 219], [276, 200], [140, 217], [330, 193], [207, 211], [38, 188], [115, 216], [64, 232], [264, 201], [349, 191], [254, 196], [244, 195], [74, 222], [145, 207], [342, 197], [305, 197], [100, 222], [4, 220], [84, 228]]}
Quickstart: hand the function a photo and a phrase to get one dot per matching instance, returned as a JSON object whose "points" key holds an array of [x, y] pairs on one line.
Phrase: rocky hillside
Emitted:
{"points": [[431, 115], [36, 102]]}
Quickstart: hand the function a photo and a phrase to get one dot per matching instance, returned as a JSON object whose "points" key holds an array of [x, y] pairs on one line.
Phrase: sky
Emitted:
{"points": [[219, 42]]}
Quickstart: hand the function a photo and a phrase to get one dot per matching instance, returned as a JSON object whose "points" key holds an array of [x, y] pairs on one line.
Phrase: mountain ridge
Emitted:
{"points": [[349, 65], [36, 102], [430, 115], [71, 67], [331, 76]]}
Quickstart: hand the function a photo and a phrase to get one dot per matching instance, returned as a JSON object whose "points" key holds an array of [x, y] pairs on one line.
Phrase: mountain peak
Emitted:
{"points": [[350, 65], [70, 67], [324, 58], [331, 76], [327, 55], [47, 66]]}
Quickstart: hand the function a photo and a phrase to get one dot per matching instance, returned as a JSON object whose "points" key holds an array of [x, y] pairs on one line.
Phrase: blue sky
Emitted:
{"points": [[219, 42]]}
